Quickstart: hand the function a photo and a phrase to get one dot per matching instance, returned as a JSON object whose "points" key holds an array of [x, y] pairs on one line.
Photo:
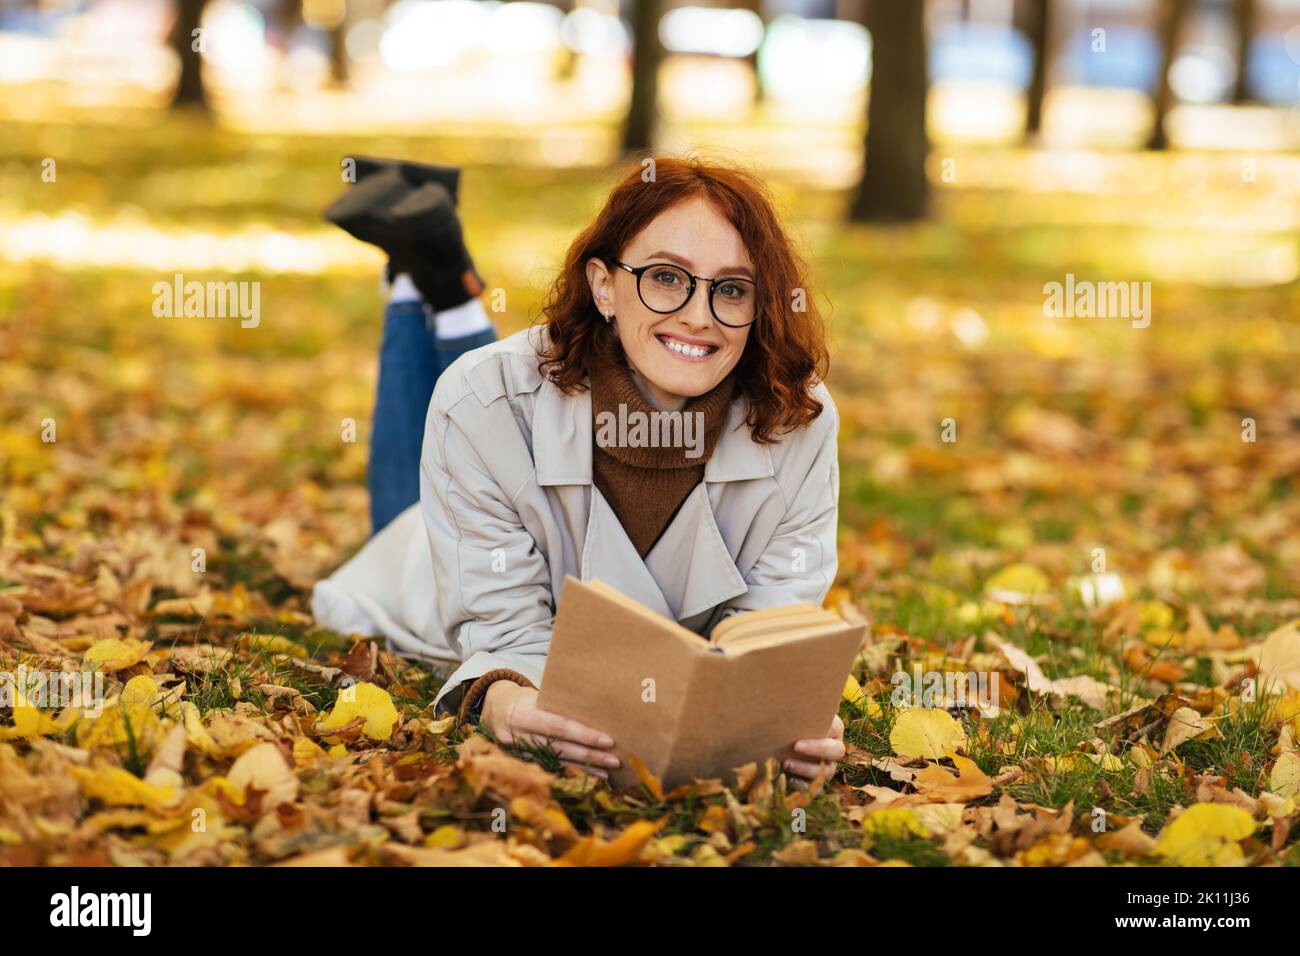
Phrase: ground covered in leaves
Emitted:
{"points": [[1098, 537]]}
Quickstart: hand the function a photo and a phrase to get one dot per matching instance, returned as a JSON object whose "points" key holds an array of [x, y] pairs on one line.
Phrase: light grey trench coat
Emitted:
{"points": [[472, 573]]}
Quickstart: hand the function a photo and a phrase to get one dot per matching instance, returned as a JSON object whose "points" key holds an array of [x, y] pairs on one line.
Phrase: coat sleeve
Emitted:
{"points": [[800, 561], [494, 601]]}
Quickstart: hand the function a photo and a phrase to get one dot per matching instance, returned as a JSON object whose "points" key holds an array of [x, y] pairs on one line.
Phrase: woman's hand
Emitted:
{"points": [[510, 711], [823, 753]]}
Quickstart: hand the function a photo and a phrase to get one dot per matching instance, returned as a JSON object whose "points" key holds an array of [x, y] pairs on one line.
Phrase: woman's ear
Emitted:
{"points": [[602, 286]]}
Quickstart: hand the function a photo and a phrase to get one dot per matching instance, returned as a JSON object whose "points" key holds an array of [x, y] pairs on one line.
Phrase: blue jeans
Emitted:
{"points": [[410, 361]]}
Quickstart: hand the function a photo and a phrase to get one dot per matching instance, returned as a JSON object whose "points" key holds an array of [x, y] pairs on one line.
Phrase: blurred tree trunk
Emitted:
{"points": [[647, 54], [189, 88], [1034, 19], [1244, 12], [339, 53], [288, 18], [755, 7], [894, 187], [1173, 17]]}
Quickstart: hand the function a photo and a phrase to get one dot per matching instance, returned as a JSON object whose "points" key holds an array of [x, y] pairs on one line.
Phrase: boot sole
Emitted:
{"points": [[365, 210], [416, 174]]}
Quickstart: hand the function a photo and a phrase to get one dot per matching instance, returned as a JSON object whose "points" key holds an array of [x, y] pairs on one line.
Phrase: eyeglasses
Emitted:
{"points": [[664, 288]]}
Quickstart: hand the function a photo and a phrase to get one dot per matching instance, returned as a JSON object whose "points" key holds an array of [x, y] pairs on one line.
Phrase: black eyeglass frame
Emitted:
{"points": [[639, 271]]}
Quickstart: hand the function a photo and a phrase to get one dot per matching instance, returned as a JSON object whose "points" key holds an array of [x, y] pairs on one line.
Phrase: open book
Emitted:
{"points": [[689, 707]]}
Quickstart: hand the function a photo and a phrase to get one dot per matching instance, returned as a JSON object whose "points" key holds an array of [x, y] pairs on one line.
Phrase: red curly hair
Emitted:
{"points": [[786, 352]]}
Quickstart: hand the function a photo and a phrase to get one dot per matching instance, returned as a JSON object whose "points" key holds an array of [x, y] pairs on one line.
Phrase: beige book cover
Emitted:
{"points": [[689, 707]]}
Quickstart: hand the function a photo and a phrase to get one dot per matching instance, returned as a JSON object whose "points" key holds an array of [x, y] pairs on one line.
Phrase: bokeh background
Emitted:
{"points": [[938, 162]]}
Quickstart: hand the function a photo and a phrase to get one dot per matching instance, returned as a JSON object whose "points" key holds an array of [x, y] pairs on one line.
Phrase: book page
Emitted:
{"points": [[789, 619], [742, 621]]}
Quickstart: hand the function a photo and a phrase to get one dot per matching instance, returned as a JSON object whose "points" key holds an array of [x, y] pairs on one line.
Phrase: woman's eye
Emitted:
{"points": [[733, 290], [666, 277]]}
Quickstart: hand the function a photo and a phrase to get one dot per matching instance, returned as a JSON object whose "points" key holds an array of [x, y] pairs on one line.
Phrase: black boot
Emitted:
{"points": [[418, 229], [442, 268]]}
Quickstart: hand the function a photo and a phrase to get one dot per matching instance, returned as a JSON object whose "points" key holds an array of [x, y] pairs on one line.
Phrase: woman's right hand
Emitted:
{"points": [[511, 713]]}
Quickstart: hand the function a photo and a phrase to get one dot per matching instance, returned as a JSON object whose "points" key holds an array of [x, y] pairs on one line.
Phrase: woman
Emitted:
{"points": [[683, 296]]}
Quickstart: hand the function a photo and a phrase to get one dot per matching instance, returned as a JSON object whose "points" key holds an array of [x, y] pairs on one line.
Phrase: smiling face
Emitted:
{"points": [[686, 353]]}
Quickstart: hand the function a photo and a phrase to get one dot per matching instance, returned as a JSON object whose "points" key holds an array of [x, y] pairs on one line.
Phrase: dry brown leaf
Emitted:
{"points": [[1128, 841], [1091, 691], [943, 786], [487, 768], [1278, 659], [263, 767], [168, 761], [1185, 724]]}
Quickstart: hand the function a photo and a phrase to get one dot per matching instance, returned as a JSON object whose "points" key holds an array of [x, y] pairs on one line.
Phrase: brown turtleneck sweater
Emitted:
{"points": [[644, 485]]}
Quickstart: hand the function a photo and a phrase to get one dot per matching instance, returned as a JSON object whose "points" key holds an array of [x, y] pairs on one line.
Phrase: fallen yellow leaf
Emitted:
{"points": [[117, 787], [1206, 834], [895, 823], [623, 849], [926, 732], [1278, 658], [140, 689], [32, 722], [854, 694], [1017, 584], [306, 751], [115, 654], [648, 779], [1285, 778], [276, 644], [364, 700], [446, 837], [121, 727]]}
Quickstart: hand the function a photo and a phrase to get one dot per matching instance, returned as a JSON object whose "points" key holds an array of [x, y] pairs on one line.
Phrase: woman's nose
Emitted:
{"points": [[696, 314]]}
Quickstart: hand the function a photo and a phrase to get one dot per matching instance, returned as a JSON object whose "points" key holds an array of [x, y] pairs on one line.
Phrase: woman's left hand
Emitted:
{"points": [[822, 753]]}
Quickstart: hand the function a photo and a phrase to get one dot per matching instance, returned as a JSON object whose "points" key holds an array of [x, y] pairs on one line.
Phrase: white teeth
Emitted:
{"points": [[694, 351]]}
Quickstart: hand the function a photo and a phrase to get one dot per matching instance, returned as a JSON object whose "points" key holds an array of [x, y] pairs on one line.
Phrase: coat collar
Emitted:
{"points": [[687, 572], [562, 438]]}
